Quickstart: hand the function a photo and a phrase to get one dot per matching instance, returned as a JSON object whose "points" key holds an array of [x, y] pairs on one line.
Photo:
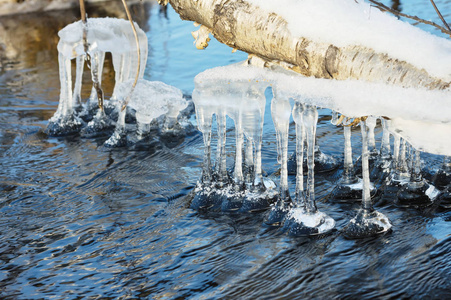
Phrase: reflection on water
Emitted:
{"points": [[79, 222]]}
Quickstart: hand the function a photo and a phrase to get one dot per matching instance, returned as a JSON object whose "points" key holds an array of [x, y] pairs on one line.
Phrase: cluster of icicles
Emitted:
{"points": [[242, 97], [153, 105]]}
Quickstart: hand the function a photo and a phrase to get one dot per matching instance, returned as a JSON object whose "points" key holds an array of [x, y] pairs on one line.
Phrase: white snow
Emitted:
{"points": [[103, 34], [346, 23]]}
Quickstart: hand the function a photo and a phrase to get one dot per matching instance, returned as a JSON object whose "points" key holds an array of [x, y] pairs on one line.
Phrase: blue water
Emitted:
{"points": [[80, 222]]}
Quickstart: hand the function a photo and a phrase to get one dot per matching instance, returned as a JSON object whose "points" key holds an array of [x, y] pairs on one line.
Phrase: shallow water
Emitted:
{"points": [[76, 221]]}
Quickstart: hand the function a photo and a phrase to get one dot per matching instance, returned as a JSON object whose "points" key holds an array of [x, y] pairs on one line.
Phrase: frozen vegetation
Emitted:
{"points": [[148, 102]]}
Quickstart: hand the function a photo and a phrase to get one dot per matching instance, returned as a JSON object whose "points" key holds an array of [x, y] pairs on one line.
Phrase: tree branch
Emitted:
{"points": [[383, 7], [440, 15]]}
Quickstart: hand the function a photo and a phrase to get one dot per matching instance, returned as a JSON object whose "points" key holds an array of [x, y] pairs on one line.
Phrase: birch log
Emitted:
{"points": [[244, 26]]}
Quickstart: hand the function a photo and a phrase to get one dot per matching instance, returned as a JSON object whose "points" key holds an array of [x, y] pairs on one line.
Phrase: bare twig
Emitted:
{"points": [[138, 50], [85, 31], [383, 7], [440, 15], [83, 11]]}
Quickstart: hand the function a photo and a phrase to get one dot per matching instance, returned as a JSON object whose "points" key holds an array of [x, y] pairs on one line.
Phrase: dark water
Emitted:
{"points": [[79, 222]]}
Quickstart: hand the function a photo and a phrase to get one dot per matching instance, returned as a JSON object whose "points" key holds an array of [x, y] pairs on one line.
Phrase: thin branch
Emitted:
{"points": [[383, 7], [83, 11], [138, 50], [440, 15]]}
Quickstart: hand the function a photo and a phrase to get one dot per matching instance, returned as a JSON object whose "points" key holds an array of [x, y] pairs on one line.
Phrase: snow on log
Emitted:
{"points": [[339, 39]]}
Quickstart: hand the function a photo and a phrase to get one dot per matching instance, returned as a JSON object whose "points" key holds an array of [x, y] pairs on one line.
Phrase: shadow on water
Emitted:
{"points": [[79, 222]]}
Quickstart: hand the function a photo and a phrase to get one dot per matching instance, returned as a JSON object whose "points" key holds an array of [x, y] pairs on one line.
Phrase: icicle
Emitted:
{"points": [[402, 167], [416, 166], [221, 163], [238, 173], [76, 98], [261, 192], [66, 102], [300, 138], [348, 164], [366, 200], [368, 222], [249, 163], [385, 145], [371, 124], [204, 117], [304, 218], [310, 119], [396, 145], [206, 167], [417, 192], [64, 120], [281, 111]]}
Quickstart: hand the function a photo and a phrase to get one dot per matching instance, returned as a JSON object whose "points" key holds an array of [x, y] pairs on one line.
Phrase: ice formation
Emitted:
{"points": [[148, 100], [244, 102], [237, 91]]}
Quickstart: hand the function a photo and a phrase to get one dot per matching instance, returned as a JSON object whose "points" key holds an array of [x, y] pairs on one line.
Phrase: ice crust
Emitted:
{"points": [[152, 99], [422, 116], [103, 34], [319, 220], [347, 23]]}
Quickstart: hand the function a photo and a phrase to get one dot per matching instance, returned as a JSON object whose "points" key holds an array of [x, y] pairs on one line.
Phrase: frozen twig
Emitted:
{"points": [[383, 7], [138, 51], [95, 81]]}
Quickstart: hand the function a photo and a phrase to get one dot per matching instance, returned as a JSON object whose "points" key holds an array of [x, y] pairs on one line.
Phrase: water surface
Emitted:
{"points": [[79, 222]]}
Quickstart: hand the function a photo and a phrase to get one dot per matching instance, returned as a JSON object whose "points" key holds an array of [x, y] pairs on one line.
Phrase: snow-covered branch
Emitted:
{"points": [[337, 39]]}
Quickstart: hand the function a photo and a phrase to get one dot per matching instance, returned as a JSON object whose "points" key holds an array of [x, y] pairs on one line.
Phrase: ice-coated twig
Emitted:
{"points": [[95, 82]]}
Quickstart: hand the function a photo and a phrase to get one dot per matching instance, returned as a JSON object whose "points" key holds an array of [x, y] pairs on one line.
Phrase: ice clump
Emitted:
{"points": [[149, 103], [241, 98], [98, 36], [151, 99]]}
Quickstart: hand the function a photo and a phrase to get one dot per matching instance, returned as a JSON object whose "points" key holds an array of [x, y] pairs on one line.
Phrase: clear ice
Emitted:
{"points": [[244, 102], [238, 91]]}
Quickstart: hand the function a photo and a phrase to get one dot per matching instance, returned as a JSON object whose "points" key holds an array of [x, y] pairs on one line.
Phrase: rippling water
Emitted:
{"points": [[79, 222]]}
